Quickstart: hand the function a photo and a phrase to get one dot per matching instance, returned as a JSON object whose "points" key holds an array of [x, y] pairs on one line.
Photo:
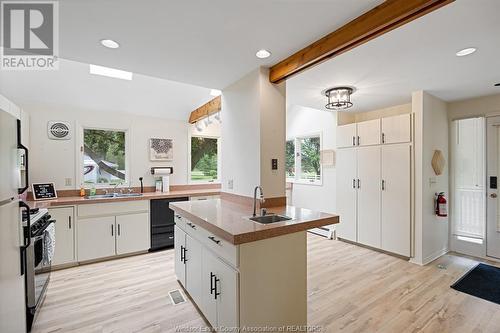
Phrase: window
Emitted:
{"points": [[104, 160], [290, 159], [204, 159], [303, 159]]}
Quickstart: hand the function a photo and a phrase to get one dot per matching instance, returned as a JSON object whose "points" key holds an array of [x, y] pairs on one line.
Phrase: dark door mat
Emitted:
{"points": [[482, 281]]}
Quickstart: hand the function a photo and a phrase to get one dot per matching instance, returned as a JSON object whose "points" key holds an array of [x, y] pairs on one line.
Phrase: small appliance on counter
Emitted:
{"points": [[162, 175]]}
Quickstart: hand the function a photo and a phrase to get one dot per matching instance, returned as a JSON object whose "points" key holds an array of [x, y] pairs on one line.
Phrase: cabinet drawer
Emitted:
{"points": [[113, 208]]}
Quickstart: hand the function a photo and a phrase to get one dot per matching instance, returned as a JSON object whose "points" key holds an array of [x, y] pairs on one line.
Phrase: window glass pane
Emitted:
{"points": [[290, 159], [204, 159], [104, 157], [310, 159]]}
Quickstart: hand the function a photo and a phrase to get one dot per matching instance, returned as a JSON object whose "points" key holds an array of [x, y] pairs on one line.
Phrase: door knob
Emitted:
{"points": [[493, 195]]}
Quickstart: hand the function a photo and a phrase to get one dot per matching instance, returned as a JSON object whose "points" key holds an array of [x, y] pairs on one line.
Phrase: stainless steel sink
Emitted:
{"points": [[113, 195], [127, 195], [100, 196], [266, 219]]}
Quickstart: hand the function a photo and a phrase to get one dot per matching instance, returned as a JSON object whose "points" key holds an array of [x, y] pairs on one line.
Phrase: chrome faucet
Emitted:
{"points": [[262, 200]]}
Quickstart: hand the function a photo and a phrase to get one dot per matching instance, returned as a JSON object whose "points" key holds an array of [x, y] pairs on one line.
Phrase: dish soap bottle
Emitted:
{"points": [[92, 191]]}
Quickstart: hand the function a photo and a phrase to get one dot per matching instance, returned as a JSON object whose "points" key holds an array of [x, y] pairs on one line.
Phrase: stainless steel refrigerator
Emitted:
{"points": [[12, 240]]}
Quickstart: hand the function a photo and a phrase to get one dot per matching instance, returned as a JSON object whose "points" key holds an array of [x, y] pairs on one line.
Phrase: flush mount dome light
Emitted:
{"points": [[339, 98], [263, 54], [466, 52], [110, 44]]}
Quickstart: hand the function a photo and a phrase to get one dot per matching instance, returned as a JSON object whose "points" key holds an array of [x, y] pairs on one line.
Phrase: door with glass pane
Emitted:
{"points": [[493, 170], [468, 205]]}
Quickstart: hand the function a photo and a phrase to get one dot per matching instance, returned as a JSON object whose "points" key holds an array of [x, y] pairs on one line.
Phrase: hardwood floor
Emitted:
{"points": [[351, 289]]}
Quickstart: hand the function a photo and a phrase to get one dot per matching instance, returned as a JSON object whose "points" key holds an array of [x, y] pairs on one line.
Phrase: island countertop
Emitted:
{"points": [[230, 220]]}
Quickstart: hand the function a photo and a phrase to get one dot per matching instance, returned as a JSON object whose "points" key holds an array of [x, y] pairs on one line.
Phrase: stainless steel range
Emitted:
{"points": [[39, 231]]}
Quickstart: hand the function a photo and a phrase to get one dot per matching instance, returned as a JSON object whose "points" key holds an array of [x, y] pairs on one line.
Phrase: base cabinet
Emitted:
{"points": [[65, 235], [96, 238], [132, 233]]}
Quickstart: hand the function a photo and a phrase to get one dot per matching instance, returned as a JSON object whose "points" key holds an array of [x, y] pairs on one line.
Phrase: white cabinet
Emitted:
{"points": [[132, 233], [373, 187], [395, 231], [220, 287], [346, 135], [96, 238], [193, 263], [65, 235], [396, 129], [179, 243], [368, 133], [346, 194], [369, 188], [119, 228]]}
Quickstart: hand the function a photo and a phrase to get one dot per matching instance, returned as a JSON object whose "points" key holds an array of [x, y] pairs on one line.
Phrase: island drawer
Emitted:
{"points": [[222, 248]]}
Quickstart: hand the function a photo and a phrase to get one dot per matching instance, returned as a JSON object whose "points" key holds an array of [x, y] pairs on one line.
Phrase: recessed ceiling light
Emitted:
{"points": [[466, 51], [263, 54], [110, 72], [110, 44], [215, 92]]}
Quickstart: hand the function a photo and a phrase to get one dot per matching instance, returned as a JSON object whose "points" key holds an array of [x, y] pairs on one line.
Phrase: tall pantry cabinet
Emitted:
{"points": [[374, 183]]}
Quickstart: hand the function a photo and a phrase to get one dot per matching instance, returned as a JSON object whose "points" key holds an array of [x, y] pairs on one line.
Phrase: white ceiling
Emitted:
{"points": [[72, 87], [206, 43], [417, 56]]}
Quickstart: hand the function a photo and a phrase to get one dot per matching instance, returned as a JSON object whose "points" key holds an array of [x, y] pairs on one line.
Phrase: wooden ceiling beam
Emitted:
{"points": [[205, 110], [377, 21]]}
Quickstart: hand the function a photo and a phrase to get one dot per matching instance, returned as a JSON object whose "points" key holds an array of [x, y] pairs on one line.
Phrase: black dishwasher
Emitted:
{"points": [[162, 223]]}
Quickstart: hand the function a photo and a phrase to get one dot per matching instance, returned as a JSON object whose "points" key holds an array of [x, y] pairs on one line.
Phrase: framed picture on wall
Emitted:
{"points": [[161, 149]]}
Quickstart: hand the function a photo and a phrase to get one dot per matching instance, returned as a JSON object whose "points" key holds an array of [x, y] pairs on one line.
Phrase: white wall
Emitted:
{"points": [[301, 121], [253, 132], [54, 161], [431, 133], [474, 107]]}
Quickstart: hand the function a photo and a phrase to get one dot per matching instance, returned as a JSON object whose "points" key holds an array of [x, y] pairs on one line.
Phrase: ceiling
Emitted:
{"points": [[205, 43], [72, 87], [417, 56]]}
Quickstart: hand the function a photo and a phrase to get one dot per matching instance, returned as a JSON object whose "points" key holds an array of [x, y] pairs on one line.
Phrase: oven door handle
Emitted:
{"points": [[25, 244]]}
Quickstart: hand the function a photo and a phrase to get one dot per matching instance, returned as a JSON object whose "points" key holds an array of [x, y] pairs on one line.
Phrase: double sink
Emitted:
{"points": [[113, 195]]}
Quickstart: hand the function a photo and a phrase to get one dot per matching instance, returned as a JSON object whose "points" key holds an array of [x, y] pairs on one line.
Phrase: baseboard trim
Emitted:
{"points": [[433, 256]]}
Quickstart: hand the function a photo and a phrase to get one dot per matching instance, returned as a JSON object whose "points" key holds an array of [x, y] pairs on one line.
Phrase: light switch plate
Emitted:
{"points": [[68, 181]]}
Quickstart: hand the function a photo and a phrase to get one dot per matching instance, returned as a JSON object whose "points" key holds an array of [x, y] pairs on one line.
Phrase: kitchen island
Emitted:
{"points": [[245, 274]]}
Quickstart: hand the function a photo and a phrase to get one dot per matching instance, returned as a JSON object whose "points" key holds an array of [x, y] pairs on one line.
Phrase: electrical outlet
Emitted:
{"points": [[230, 184], [68, 181]]}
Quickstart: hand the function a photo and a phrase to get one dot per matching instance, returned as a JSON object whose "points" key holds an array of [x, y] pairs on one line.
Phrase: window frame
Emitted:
{"points": [[80, 153], [298, 162], [215, 181]]}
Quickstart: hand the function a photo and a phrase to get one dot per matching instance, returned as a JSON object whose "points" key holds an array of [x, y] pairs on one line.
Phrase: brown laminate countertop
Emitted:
{"points": [[69, 201], [229, 220]]}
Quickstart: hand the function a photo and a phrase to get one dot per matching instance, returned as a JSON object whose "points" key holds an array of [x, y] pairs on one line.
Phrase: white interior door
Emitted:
{"points": [[395, 222], [493, 165], [369, 188], [346, 194]]}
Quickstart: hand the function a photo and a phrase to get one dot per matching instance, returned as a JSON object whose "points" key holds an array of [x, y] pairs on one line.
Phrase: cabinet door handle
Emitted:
{"points": [[353, 140], [353, 183], [216, 280], [112, 230], [383, 185], [383, 137], [358, 140], [359, 183], [69, 222], [191, 225], [118, 229], [177, 216], [212, 238], [212, 289], [182, 253], [185, 259]]}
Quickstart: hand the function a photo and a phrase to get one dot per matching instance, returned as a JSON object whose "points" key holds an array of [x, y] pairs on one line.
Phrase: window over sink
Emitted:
{"points": [[104, 157]]}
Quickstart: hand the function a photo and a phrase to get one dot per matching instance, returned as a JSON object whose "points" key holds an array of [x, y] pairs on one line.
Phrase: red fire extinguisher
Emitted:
{"points": [[441, 209]]}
